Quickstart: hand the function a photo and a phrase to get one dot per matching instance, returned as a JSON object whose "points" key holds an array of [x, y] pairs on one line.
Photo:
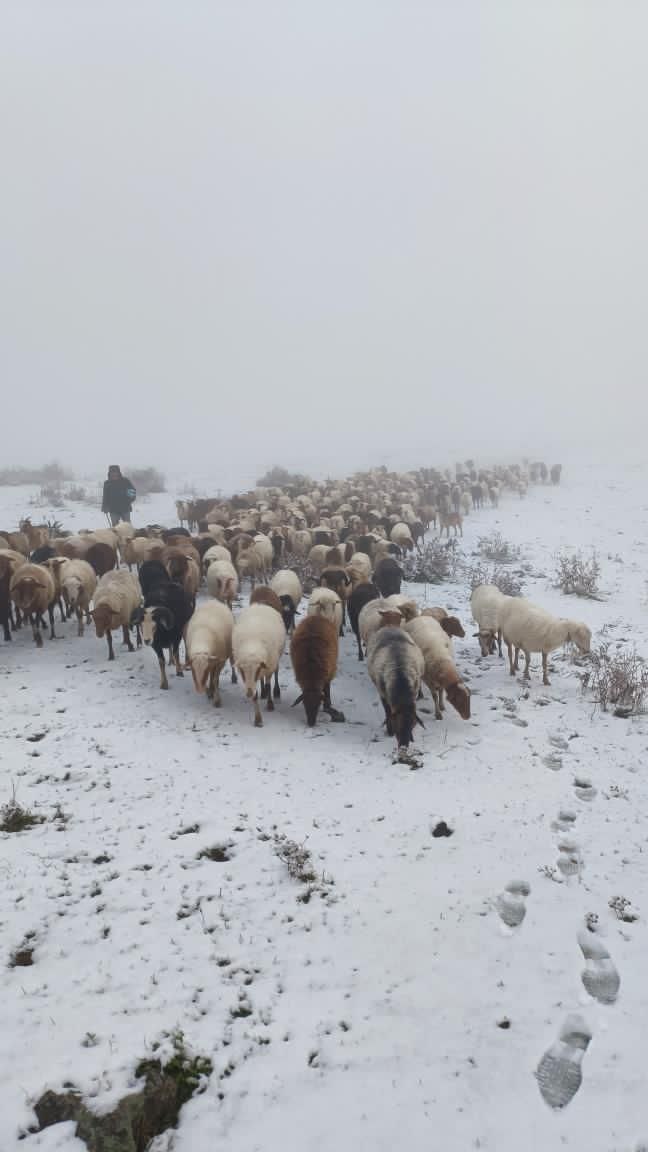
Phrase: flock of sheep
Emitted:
{"points": [[348, 537]]}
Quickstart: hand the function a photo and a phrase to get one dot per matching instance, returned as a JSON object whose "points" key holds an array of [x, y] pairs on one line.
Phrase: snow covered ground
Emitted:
{"points": [[370, 1016]]}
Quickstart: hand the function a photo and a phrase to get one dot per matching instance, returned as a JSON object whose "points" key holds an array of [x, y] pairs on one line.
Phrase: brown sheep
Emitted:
{"points": [[5, 581], [183, 566], [265, 595], [101, 557], [313, 652], [450, 520], [451, 625], [33, 592]]}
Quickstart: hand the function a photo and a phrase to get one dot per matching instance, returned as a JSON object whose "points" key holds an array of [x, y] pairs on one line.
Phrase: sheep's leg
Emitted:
{"points": [[216, 687], [234, 677], [527, 661], [264, 688], [545, 677], [209, 691], [388, 719], [499, 641], [258, 718], [336, 716], [138, 634], [170, 660], [276, 692], [270, 703], [164, 683], [517, 658], [79, 613], [127, 639], [50, 613], [177, 661], [111, 653], [36, 631], [510, 656], [438, 714], [360, 655]]}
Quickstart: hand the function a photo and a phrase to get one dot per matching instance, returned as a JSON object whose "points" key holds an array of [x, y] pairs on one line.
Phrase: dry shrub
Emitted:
{"points": [[577, 575], [495, 547], [438, 563], [617, 680], [509, 583]]}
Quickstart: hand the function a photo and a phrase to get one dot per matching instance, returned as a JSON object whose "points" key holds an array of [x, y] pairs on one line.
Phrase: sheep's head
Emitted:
{"points": [[459, 697], [452, 626], [251, 672], [155, 617], [486, 638], [72, 590], [403, 722], [581, 635], [390, 617], [311, 698], [105, 619]]}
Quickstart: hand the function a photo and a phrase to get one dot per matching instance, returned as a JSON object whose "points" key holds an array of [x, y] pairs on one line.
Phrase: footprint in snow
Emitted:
{"points": [[599, 975], [569, 858], [584, 788], [559, 1073], [564, 821], [511, 903]]}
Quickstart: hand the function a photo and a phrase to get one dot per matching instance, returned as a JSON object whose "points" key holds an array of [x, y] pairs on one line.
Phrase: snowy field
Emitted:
{"points": [[369, 1017]]}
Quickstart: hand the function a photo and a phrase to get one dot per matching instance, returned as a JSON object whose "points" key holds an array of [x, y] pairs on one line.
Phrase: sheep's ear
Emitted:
{"points": [[299, 700]]}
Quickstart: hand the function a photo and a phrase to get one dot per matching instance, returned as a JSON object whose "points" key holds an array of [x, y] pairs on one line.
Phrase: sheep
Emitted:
{"points": [[363, 594], [78, 581], [370, 618], [408, 608], [302, 543], [139, 549], [314, 652], [317, 558], [288, 588], [450, 520], [14, 560], [265, 552], [359, 569], [265, 595], [208, 641], [388, 576], [33, 591], [466, 503], [337, 580], [486, 603], [215, 552], [530, 628], [163, 618], [223, 581], [101, 556], [396, 667], [250, 564], [326, 602], [116, 600], [5, 599], [72, 547], [451, 625], [258, 642], [183, 566], [383, 549], [402, 537], [440, 672]]}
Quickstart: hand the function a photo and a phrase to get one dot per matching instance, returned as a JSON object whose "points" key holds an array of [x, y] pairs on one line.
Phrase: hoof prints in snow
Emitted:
{"points": [[511, 904], [584, 788], [559, 1072], [599, 975]]}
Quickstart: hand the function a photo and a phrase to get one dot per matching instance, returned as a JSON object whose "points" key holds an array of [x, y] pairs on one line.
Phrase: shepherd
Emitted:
{"points": [[118, 496]]}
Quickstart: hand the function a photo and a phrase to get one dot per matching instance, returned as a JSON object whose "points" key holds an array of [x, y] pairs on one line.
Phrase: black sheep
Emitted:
{"points": [[166, 612], [360, 596], [388, 576]]}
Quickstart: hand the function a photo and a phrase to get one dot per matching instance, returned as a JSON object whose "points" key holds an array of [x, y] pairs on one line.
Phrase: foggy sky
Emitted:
{"points": [[326, 235]]}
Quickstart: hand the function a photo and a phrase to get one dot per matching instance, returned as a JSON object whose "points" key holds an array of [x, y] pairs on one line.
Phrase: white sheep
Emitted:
{"points": [[317, 558], [407, 607], [396, 666], [486, 603], [215, 552], [257, 643], [372, 617], [78, 581], [359, 569], [402, 537], [222, 581], [466, 503], [263, 548], [530, 628], [287, 586], [118, 595], [325, 602], [32, 590], [208, 643], [440, 672]]}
